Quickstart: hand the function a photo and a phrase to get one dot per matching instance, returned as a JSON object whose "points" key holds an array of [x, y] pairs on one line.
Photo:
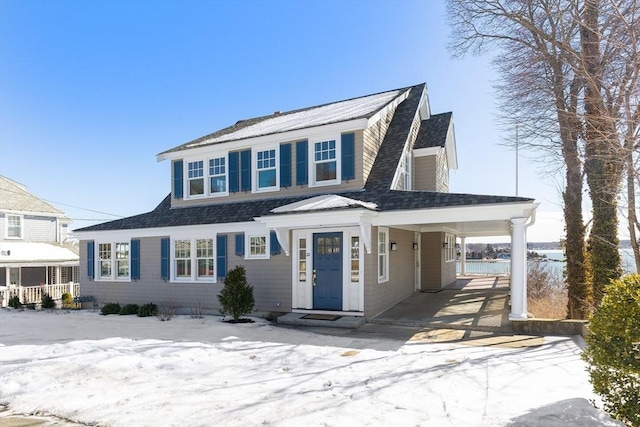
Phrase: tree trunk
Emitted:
{"points": [[602, 166]]}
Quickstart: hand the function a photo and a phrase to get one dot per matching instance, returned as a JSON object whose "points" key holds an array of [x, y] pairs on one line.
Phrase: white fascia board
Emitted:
{"points": [[60, 216], [431, 151], [450, 146], [473, 213], [184, 230], [424, 107], [320, 219], [387, 108], [293, 135]]}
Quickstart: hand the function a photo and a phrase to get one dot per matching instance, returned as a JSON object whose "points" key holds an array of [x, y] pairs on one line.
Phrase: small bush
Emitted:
{"points": [[67, 300], [546, 295], [166, 311], [129, 309], [613, 349], [14, 302], [236, 297], [148, 310], [31, 305], [110, 308], [47, 302]]}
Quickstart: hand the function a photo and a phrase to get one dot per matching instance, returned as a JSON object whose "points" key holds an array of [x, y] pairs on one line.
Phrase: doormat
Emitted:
{"points": [[330, 317]]}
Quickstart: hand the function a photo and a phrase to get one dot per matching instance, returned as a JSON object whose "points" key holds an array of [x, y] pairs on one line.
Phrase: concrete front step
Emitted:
{"points": [[341, 321]]}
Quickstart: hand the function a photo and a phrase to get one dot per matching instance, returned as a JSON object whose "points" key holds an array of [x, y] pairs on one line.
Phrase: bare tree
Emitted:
{"points": [[570, 80], [537, 45]]}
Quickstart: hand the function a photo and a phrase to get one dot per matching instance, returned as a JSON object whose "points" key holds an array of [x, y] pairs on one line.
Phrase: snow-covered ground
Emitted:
{"points": [[131, 371]]}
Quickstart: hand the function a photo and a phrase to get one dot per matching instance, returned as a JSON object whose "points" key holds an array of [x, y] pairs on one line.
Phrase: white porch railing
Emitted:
{"points": [[485, 267], [33, 294]]}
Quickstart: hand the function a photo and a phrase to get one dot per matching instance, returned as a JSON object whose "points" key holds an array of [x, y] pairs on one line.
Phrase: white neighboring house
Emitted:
{"points": [[35, 248]]}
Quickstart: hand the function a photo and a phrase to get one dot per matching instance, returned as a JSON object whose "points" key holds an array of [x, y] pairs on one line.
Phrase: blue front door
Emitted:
{"points": [[327, 271]]}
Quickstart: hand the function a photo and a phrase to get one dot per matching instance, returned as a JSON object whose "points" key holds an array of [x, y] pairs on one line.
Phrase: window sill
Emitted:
{"points": [[383, 280], [250, 257]]}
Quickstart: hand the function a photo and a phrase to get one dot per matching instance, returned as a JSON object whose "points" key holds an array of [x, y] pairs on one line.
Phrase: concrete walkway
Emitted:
{"points": [[471, 303]]}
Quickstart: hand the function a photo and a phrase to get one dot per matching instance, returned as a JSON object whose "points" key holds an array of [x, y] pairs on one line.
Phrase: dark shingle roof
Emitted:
{"points": [[433, 131], [164, 216], [386, 163]]}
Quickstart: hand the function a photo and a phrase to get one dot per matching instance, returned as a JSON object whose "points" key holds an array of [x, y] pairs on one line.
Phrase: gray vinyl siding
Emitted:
{"points": [[431, 173], [34, 228], [293, 190], [270, 279], [435, 272], [379, 297]]}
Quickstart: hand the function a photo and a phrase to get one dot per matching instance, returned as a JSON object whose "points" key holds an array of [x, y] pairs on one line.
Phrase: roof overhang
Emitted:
{"points": [[464, 221], [29, 254]]}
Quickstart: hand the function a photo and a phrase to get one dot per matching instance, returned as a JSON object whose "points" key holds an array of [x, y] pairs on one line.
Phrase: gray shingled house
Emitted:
{"points": [[342, 208]]}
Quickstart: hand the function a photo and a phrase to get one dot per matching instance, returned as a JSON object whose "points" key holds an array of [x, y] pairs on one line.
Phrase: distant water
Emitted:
{"points": [[554, 265]]}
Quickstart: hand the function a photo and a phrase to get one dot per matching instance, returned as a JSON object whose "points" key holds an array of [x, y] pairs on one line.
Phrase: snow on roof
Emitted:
{"points": [[315, 116], [35, 254], [329, 201]]}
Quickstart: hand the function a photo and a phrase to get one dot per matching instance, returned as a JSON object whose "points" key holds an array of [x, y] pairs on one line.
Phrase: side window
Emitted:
{"points": [[325, 162], [14, 227], [218, 176], [383, 254], [196, 178], [266, 170]]}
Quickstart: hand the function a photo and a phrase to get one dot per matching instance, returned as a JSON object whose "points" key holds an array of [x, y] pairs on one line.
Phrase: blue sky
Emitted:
{"points": [[91, 91]]}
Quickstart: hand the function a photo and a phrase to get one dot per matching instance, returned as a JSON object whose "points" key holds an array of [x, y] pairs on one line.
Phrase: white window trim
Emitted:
{"points": [[114, 276], [194, 260], [312, 161], [449, 247], [385, 276], [226, 176], [6, 226], [254, 169], [247, 245], [187, 180]]}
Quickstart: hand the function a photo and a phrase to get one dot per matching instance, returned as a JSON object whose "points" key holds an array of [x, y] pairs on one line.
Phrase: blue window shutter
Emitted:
{"points": [[275, 245], [301, 163], [348, 156], [90, 259], [234, 172], [221, 255], [164, 258], [245, 170], [135, 259], [240, 244], [177, 179], [285, 165]]}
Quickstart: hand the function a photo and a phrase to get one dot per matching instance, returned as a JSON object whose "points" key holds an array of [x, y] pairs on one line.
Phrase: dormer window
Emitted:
{"points": [[196, 178], [218, 176], [266, 171], [325, 163]]}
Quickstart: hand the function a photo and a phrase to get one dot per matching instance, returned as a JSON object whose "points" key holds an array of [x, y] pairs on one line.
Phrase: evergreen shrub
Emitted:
{"points": [[67, 300], [236, 297], [47, 302], [613, 349], [110, 308], [14, 302], [148, 310], [129, 309]]}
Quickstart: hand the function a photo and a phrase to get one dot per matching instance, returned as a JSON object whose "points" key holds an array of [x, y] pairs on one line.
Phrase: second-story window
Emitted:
{"points": [[218, 175], [266, 169], [196, 178], [14, 227], [324, 157]]}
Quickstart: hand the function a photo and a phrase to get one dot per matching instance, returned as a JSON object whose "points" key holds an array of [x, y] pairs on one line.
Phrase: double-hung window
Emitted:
{"points": [[218, 176], [325, 161], [194, 259], [266, 170], [204, 257], [14, 227], [195, 176], [114, 261], [122, 260], [383, 254]]}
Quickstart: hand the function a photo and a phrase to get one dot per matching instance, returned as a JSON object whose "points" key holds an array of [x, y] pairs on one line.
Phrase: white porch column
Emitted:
{"points": [[518, 269], [463, 256]]}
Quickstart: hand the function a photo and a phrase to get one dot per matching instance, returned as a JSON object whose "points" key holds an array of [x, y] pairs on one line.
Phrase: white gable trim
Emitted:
{"points": [[388, 108]]}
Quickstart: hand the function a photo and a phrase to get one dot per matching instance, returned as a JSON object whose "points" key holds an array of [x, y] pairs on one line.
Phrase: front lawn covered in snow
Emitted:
{"points": [[126, 370]]}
